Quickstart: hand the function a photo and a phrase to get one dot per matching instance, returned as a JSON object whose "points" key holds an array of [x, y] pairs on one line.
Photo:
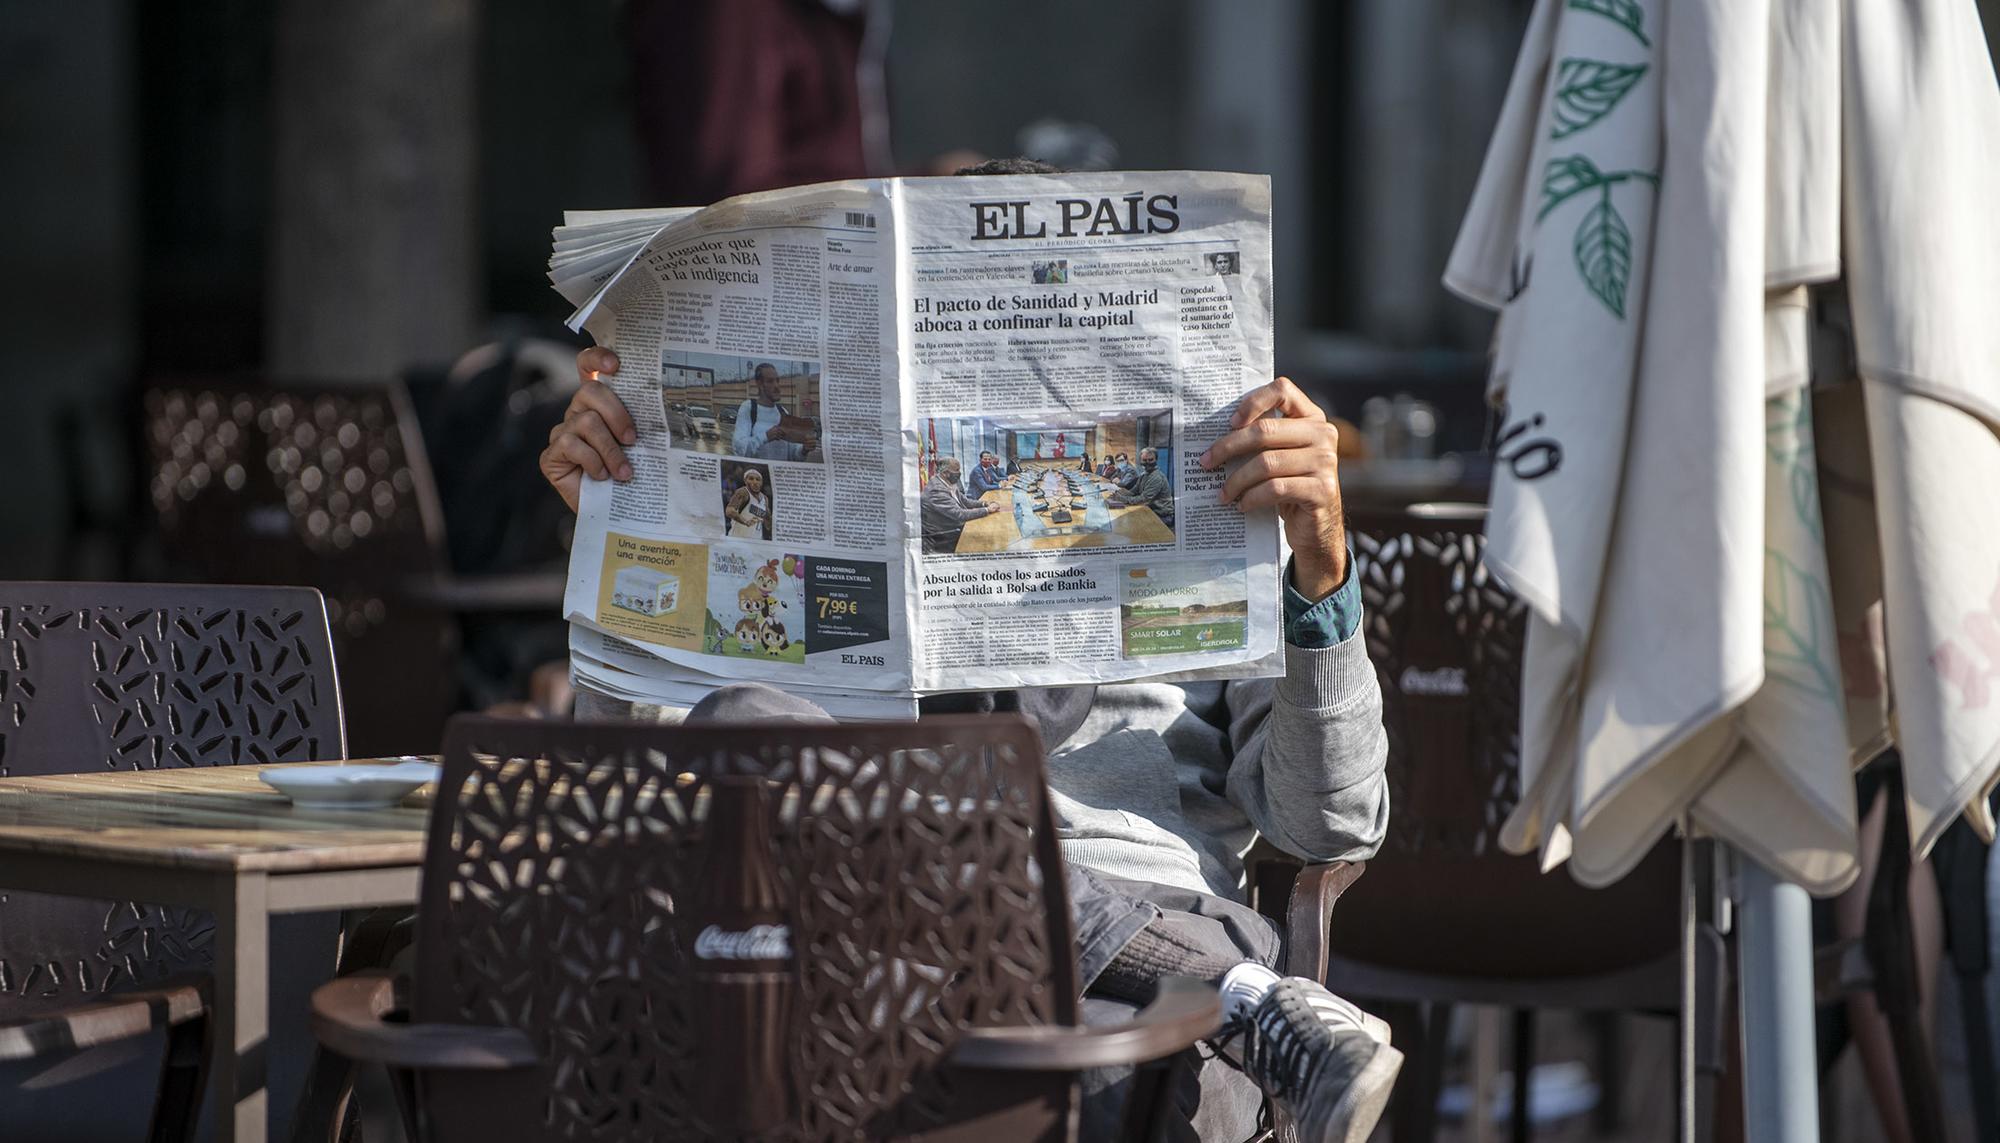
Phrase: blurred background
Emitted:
{"points": [[275, 306], [298, 191]]}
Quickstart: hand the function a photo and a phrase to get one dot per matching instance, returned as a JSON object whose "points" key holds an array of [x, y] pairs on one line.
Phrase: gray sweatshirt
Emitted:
{"points": [[1171, 782]]}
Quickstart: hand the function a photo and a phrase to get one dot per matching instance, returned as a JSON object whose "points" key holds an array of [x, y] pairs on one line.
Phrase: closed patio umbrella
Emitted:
{"points": [[1741, 583]]}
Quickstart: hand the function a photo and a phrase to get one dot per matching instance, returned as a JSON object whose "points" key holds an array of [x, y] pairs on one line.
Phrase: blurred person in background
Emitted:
{"points": [[750, 95]]}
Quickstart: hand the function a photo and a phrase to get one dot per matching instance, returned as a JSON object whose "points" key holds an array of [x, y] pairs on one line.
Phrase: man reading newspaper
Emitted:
{"points": [[1159, 787]]}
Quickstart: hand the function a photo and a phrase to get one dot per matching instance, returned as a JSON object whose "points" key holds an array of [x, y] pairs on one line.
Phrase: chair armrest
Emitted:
{"points": [[117, 1017], [1184, 1012], [1309, 915], [355, 1016]]}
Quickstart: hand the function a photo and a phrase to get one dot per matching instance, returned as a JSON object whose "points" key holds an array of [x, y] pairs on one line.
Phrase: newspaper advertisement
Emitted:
{"points": [[913, 435]]}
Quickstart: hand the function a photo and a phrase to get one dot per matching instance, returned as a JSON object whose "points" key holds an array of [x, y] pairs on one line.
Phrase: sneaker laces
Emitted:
{"points": [[1285, 1043], [1281, 1051]]}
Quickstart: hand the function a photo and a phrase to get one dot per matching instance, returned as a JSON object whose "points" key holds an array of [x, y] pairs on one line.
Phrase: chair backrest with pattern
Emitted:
{"points": [[327, 486], [925, 892], [99, 676], [1442, 898]]}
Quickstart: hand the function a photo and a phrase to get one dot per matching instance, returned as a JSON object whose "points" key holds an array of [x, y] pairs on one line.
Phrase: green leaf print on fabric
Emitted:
{"points": [[1604, 253], [1798, 629], [1626, 13], [1564, 177], [1788, 445], [1587, 90]]}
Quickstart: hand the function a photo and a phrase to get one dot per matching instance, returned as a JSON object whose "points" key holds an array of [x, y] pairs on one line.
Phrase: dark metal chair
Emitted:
{"points": [[1445, 917], [327, 486], [142, 676], [179, 1008], [936, 988]]}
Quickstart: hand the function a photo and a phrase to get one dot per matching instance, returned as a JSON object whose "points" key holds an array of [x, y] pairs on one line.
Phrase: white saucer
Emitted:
{"points": [[369, 786]]}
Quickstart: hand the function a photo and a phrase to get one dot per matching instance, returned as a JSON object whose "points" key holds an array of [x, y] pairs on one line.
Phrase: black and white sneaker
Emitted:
{"points": [[1326, 1063]]}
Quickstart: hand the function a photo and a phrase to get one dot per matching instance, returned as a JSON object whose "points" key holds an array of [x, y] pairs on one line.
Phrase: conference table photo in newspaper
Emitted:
{"points": [[915, 435]]}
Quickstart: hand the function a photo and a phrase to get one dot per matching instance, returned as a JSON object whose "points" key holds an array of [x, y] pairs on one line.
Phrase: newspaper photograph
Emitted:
{"points": [[915, 435]]}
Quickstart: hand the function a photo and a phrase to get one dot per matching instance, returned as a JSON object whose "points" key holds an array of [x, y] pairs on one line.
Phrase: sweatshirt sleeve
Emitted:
{"points": [[1310, 751]]}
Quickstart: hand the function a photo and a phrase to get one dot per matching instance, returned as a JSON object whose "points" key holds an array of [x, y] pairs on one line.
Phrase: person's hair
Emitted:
{"points": [[986, 452], [950, 462], [763, 365], [756, 472], [1147, 449], [1020, 165]]}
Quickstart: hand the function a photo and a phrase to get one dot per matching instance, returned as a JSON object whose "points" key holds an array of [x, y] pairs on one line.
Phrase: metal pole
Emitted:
{"points": [[1774, 951], [1688, 991]]}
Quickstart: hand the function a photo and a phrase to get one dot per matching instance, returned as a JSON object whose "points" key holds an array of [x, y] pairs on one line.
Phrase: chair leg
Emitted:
{"points": [[1722, 1086], [1424, 1033], [1522, 1120], [1608, 1030], [1891, 946], [1980, 1065], [328, 1086], [1149, 1110], [182, 1079], [373, 937]]}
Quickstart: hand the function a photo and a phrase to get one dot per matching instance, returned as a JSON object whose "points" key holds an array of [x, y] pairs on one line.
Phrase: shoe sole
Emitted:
{"points": [[1361, 1105]]}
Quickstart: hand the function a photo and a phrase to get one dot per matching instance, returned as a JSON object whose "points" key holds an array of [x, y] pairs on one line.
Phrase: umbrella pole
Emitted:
{"points": [[1775, 959]]}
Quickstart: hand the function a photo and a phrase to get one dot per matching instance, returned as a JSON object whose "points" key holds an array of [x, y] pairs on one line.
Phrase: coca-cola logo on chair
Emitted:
{"points": [[758, 942], [1440, 682]]}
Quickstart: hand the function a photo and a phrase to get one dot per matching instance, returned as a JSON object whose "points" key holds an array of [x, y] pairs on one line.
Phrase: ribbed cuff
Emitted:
{"points": [[1127, 860], [1326, 678]]}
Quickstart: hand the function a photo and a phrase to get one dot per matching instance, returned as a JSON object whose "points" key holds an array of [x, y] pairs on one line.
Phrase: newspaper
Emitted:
{"points": [[905, 436]]}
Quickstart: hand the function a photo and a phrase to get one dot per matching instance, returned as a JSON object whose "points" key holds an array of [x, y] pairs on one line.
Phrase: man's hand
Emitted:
{"points": [[1290, 464], [592, 429]]}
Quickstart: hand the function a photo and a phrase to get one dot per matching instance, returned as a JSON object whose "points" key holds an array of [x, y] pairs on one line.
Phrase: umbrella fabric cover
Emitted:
{"points": [[1921, 121], [1666, 179]]}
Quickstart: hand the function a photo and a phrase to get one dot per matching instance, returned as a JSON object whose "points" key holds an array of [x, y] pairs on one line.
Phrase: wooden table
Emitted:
{"points": [[215, 838], [1137, 524]]}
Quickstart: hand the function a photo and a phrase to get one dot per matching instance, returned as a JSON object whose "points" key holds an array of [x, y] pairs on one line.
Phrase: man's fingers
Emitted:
{"points": [[1288, 491], [1280, 396], [598, 398], [1270, 465], [594, 361], [563, 476], [1257, 402], [1267, 433], [576, 451], [597, 435]]}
